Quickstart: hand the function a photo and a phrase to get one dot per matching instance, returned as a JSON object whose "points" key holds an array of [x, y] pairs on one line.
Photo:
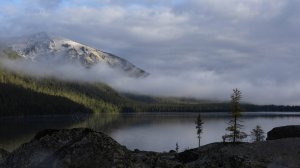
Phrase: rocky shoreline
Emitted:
{"points": [[85, 148]]}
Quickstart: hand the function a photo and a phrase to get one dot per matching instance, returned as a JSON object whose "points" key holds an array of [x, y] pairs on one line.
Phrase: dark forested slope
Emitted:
{"points": [[16, 100], [92, 97]]}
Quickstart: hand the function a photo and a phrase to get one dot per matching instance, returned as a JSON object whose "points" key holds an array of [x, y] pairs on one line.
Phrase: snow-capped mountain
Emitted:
{"points": [[41, 45]]}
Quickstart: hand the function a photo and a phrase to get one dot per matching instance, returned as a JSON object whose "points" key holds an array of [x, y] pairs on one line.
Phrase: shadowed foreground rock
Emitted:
{"points": [[290, 131], [3, 154], [85, 148], [77, 148], [68, 148]]}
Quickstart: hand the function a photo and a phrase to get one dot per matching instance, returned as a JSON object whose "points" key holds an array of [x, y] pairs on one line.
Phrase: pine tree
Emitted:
{"points": [[199, 124], [234, 125], [257, 134]]}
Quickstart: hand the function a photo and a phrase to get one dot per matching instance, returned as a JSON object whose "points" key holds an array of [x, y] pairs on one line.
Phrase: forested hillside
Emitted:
{"points": [[16, 100], [21, 94], [93, 97]]}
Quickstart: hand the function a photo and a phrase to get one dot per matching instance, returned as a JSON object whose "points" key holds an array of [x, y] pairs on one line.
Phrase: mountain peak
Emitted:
{"points": [[40, 45]]}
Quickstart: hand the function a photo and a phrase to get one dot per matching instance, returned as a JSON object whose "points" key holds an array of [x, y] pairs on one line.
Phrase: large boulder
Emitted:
{"points": [[82, 148], [3, 154], [290, 131]]}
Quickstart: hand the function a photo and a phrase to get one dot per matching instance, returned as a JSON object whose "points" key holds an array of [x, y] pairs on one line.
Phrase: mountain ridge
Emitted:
{"points": [[40, 46]]}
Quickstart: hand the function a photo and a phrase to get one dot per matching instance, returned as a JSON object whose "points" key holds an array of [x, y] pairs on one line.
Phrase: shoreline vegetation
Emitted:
{"points": [[85, 148], [24, 95]]}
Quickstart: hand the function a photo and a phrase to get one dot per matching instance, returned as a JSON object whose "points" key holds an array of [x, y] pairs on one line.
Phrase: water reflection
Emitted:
{"points": [[17, 130], [159, 132], [145, 131]]}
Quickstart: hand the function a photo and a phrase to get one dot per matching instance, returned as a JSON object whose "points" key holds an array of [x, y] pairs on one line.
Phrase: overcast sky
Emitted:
{"points": [[200, 48]]}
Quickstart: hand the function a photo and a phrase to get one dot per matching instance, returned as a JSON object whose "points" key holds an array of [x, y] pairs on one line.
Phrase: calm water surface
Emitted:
{"points": [[145, 131]]}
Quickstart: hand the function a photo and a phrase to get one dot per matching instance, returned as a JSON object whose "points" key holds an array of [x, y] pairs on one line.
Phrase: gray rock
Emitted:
{"points": [[69, 148], [290, 131], [3, 154], [81, 148], [277, 153]]}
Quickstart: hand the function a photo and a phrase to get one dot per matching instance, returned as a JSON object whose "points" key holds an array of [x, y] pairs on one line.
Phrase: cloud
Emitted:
{"points": [[240, 10], [199, 84], [48, 5], [204, 47]]}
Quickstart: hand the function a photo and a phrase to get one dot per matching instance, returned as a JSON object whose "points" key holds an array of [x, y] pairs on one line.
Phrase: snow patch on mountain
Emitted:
{"points": [[42, 46]]}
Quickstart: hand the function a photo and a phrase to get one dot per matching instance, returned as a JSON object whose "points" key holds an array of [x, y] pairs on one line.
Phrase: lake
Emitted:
{"points": [[144, 131]]}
